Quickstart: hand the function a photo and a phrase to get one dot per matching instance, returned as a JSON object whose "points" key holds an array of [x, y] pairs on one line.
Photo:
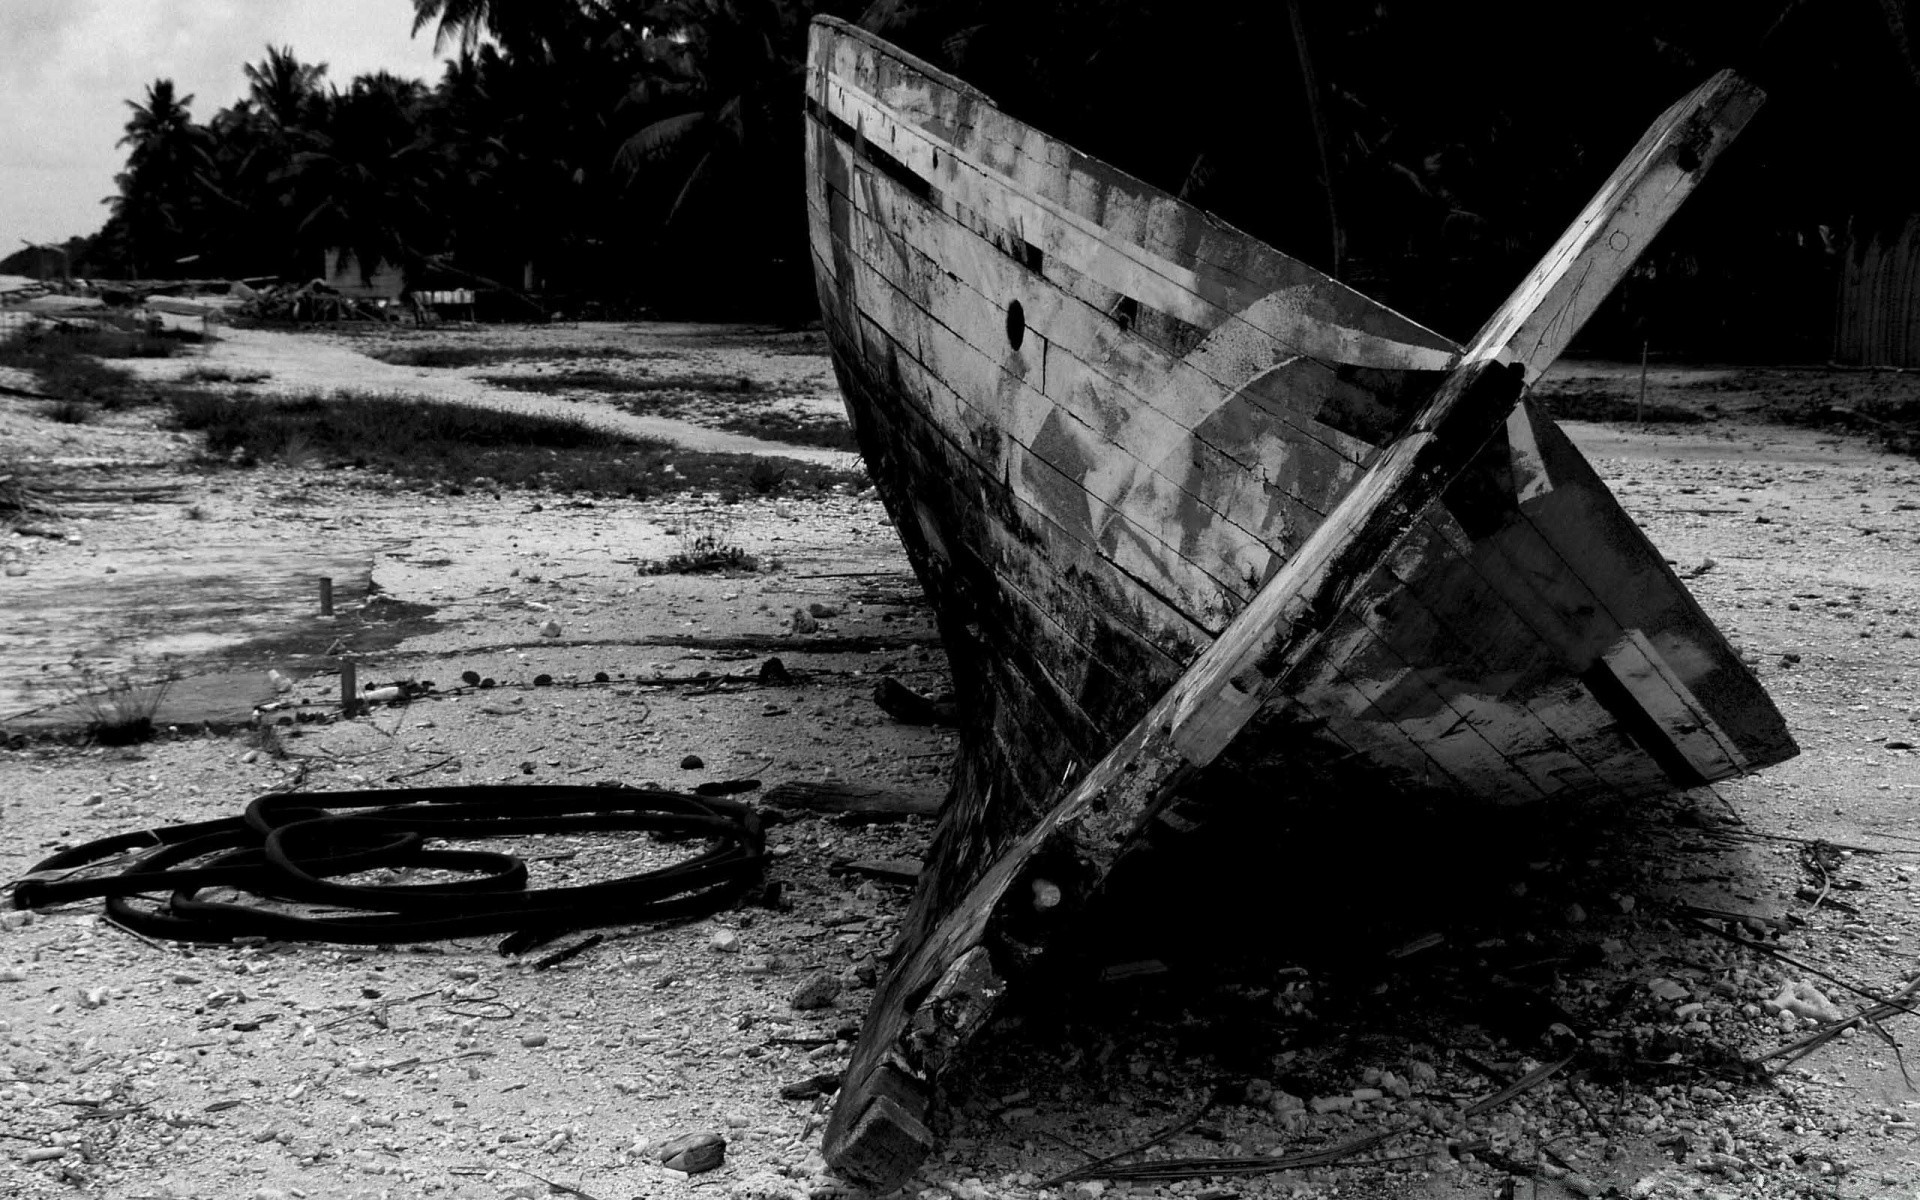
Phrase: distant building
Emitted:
{"points": [[343, 274], [1877, 322]]}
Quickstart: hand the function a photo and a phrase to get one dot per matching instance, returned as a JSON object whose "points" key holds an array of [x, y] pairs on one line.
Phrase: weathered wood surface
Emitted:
{"points": [[857, 800], [1112, 430]]}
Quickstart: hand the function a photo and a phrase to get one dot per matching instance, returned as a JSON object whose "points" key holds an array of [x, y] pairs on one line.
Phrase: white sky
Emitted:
{"points": [[67, 66]]}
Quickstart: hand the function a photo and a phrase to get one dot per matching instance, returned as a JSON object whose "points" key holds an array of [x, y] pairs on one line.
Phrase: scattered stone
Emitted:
{"points": [[533, 1040], [1666, 989], [804, 622], [692, 762], [807, 1089], [725, 941], [818, 990], [470, 678], [774, 672], [693, 1153], [543, 680], [822, 611], [1802, 999], [765, 1185], [550, 629]]}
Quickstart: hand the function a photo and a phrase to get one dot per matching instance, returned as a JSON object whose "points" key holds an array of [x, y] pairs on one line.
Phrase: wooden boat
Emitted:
{"points": [[1186, 506]]}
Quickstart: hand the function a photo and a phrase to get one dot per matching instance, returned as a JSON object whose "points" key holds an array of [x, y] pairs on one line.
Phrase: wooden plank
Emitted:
{"points": [[852, 799], [1106, 222], [1153, 607], [1123, 401]]}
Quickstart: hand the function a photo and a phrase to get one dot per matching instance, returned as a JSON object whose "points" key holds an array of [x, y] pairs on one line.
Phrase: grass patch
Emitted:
{"points": [[69, 412], [223, 375], [484, 356], [706, 547], [455, 446], [66, 362], [20, 499], [830, 432], [614, 383], [1598, 404], [120, 708]]}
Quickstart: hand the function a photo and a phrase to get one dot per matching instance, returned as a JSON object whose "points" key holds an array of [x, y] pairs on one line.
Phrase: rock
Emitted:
{"points": [[808, 1088], [725, 941], [822, 611], [774, 672], [1666, 989], [550, 629], [693, 1153], [804, 622], [692, 762], [818, 990], [1802, 999], [534, 1040]]}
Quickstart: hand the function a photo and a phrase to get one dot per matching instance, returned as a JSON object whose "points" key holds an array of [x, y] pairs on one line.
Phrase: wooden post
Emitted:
{"points": [[326, 596], [1640, 411], [349, 689]]}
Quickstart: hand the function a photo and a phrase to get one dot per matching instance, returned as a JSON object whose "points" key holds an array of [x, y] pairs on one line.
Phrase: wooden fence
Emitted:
{"points": [[1877, 314]]}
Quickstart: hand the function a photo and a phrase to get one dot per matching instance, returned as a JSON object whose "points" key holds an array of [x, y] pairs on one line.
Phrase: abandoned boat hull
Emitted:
{"points": [[1108, 427]]}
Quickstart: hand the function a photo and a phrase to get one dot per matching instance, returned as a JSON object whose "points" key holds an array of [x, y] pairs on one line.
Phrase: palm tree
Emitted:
{"points": [[283, 89], [733, 70], [523, 28], [166, 156], [366, 172]]}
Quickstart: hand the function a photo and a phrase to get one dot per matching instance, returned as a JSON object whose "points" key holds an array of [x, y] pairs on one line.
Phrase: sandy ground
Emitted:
{"points": [[136, 1069]]}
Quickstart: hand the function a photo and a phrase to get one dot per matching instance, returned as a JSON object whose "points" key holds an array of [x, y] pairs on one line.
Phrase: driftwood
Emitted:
{"points": [[852, 800], [909, 707]]}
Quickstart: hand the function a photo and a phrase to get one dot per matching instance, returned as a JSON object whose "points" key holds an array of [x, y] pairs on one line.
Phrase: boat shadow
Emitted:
{"points": [[1320, 949]]}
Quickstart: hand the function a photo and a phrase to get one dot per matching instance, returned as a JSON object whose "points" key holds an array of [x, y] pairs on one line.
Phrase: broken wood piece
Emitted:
{"points": [[807, 1089], [909, 707], [1525, 1083], [887, 870], [852, 800]]}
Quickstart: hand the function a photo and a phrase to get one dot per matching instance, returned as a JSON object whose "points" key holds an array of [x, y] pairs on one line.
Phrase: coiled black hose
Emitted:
{"points": [[291, 848]]}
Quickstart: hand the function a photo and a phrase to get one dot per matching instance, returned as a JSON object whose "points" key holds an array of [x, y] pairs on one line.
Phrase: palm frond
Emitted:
{"points": [[659, 139]]}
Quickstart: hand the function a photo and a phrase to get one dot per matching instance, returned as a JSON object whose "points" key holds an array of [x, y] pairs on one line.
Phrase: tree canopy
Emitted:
{"points": [[649, 151]]}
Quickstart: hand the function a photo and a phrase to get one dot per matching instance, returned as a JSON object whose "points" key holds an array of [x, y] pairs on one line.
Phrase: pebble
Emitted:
{"points": [[818, 990], [533, 1040], [1802, 999], [693, 1153]]}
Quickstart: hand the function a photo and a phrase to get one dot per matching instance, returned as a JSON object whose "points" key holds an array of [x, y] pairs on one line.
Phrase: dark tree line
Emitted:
{"points": [[649, 152]]}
